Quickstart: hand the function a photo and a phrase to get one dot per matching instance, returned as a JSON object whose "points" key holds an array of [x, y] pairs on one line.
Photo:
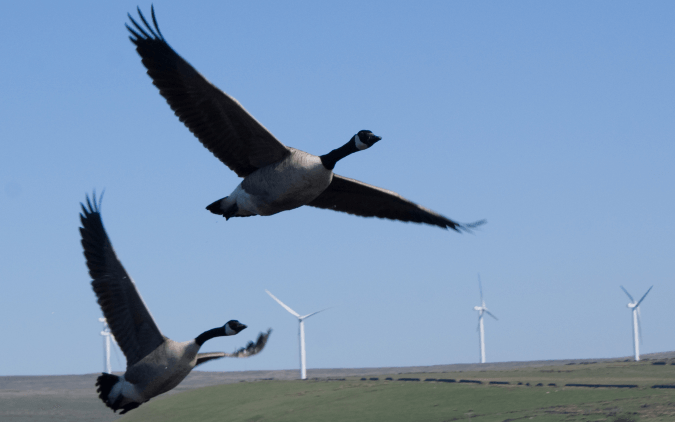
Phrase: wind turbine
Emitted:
{"points": [[301, 333], [482, 309], [107, 335], [637, 331]]}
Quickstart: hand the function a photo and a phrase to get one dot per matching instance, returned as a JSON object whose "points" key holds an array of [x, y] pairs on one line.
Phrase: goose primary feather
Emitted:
{"points": [[155, 363], [276, 177]]}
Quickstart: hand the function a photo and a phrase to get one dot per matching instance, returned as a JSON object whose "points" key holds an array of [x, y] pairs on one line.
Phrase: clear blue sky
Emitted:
{"points": [[554, 121]]}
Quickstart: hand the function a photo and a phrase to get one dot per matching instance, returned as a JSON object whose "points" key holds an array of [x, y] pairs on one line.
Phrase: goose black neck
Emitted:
{"points": [[336, 155], [208, 335]]}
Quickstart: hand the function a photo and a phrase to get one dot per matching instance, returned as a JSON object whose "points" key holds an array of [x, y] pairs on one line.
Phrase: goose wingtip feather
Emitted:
{"points": [[93, 205], [253, 348], [468, 227]]}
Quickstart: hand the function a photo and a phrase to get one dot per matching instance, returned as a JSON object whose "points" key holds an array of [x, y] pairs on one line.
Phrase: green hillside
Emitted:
{"points": [[380, 400]]}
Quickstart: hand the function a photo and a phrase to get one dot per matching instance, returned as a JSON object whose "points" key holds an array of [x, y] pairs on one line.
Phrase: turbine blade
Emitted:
{"points": [[480, 287], [314, 313], [283, 304], [490, 313], [626, 291], [643, 297]]}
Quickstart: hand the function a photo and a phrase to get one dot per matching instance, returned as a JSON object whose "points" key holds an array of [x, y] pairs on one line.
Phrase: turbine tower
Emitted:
{"points": [[637, 330], [482, 309], [301, 333], [107, 335]]}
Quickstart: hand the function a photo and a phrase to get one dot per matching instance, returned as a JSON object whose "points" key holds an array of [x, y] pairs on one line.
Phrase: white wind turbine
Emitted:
{"points": [[482, 309], [301, 333], [107, 336], [637, 330]]}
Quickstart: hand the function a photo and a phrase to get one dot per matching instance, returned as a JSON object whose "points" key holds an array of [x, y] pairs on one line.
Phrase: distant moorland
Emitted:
{"points": [[508, 391]]}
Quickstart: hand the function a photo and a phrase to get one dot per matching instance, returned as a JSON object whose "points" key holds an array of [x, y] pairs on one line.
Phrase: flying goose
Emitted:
{"points": [[276, 177], [155, 363]]}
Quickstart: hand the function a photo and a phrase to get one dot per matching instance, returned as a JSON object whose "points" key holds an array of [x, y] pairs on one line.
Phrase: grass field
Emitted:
{"points": [[354, 399]]}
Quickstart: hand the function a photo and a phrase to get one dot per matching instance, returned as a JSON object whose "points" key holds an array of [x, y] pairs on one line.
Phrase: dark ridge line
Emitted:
{"points": [[450, 380], [603, 385]]}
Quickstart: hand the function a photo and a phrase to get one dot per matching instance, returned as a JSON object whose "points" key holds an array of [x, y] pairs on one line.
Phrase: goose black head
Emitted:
{"points": [[233, 327], [362, 140], [365, 139]]}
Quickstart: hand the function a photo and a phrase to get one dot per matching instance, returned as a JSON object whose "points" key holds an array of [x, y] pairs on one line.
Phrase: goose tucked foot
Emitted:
{"points": [[216, 208]]}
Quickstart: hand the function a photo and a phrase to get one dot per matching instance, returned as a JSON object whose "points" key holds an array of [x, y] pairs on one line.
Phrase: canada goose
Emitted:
{"points": [[155, 363], [276, 177]]}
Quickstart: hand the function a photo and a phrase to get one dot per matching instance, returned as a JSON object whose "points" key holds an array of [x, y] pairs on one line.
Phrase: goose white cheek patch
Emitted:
{"points": [[359, 145], [229, 331]]}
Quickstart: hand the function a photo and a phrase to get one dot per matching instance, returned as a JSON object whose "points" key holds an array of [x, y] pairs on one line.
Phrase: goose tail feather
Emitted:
{"points": [[105, 383], [217, 208]]}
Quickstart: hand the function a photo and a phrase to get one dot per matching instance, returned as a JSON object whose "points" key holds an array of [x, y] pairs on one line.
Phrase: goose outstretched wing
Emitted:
{"points": [[358, 198], [252, 348], [219, 122], [128, 318]]}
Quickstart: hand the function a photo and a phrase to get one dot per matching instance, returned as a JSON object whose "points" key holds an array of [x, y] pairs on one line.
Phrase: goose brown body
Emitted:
{"points": [[292, 182]]}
